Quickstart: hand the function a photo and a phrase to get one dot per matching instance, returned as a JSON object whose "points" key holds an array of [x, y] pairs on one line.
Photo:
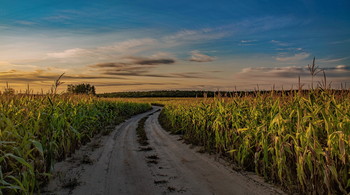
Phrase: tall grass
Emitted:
{"points": [[37, 131], [301, 141]]}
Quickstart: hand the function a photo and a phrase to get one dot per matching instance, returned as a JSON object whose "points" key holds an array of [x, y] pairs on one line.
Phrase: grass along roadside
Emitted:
{"points": [[141, 132]]}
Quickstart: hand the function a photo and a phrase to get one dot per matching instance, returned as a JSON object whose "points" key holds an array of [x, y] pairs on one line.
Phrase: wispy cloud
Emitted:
{"points": [[293, 49], [121, 51], [150, 61], [339, 68], [143, 69], [5, 63], [184, 38], [122, 69], [340, 71], [196, 56], [263, 24], [60, 17], [247, 42], [332, 60], [280, 43], [204, 34], [134, 60], [191, 75], [291, 71], [123, 48], [24, 22], [287, 77], [132, 66], [295, 57], [137, 72], [341, 41], [6, 66], [39, 76], [135, 45], [75, 52], [3, 27], [342, 67]]}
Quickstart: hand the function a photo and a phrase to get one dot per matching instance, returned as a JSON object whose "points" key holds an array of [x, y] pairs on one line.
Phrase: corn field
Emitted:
{"points": [[37, 131], [299, 141]]}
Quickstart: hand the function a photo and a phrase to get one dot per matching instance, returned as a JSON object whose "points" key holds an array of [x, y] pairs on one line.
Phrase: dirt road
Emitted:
{"points": [[117, 164]]}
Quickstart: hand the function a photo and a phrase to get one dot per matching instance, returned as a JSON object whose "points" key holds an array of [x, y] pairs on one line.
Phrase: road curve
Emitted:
{"points": [[117, 164]]}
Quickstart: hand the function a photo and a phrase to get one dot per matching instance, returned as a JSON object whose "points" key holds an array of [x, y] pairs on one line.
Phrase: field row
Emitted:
{"points": [[301, 142], [37, 131]]}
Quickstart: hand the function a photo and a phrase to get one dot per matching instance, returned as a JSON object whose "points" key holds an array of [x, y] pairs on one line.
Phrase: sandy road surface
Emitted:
{"points": [[117, 164]]}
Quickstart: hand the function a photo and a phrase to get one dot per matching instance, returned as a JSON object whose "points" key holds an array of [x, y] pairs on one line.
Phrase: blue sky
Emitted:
{"points": [[154, 44]]}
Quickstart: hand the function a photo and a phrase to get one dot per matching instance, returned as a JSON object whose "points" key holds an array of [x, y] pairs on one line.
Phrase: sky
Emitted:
{"points": [[119, 45]]}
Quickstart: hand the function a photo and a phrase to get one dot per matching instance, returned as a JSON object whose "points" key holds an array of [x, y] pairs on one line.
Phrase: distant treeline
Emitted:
{"points": [[178, 93], [174, 93]]}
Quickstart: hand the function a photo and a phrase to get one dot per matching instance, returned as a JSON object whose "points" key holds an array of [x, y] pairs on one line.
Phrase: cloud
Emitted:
{"points": [[76, 52], [292, 72], [196, 56], [279, 43], [247, 26], [341, 41], [332, 60], [125, 70], [248, 41], [58, 18], [182, 75], [295, 57], [190, 75], [142, 68], [163, 55], [135, 47], [126, 46], [342, 67], [150, 61], [110, 52], [108, 65], [145, 72], [156, 62], [5, 63], [338, 68], [293, 49], [185, 36], [23, 22], [132, 66], [253, 25], [123, 48], [133, 61], [262, 72], [19, 76], [6, 66], [287, 77], [2, 27]]}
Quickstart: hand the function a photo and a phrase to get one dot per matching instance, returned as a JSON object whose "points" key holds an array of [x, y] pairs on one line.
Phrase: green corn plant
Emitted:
{"points": [[299, 140], [38, 130]]}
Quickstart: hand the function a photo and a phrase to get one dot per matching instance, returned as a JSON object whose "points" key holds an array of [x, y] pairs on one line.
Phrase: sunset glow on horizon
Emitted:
{"points": [[173, 45]]}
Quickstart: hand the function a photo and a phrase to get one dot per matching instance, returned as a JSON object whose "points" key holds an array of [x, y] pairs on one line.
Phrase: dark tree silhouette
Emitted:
{"points": [[81, 89]]}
